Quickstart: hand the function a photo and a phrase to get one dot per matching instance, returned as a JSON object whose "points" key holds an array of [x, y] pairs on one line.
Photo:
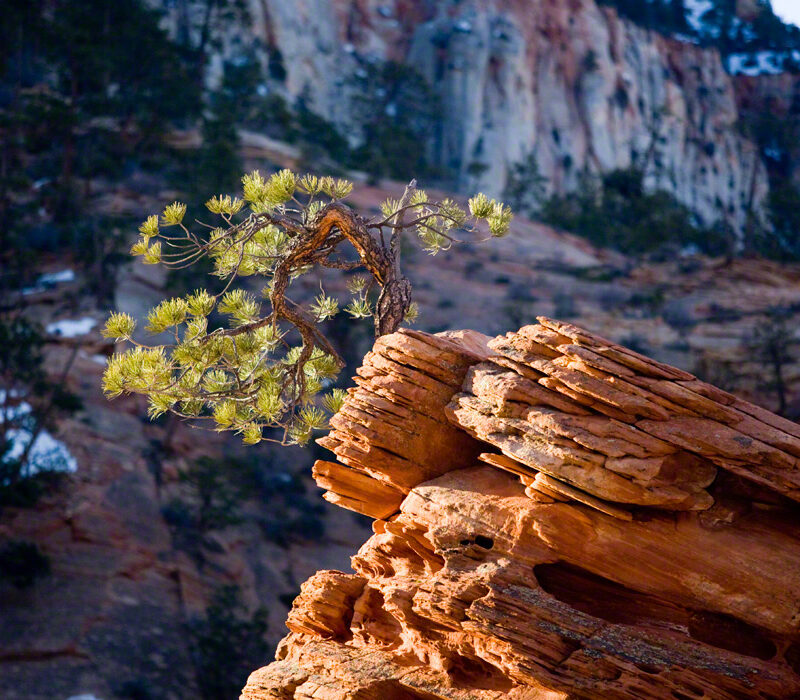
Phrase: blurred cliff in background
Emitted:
{"points": [[650, 149]]}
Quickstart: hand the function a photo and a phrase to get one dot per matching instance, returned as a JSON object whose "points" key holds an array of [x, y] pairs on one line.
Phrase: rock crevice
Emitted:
{"points": [[556, 516]]}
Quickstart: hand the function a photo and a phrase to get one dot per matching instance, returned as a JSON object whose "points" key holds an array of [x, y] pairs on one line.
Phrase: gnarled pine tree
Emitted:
{"points": [[265, 370]]}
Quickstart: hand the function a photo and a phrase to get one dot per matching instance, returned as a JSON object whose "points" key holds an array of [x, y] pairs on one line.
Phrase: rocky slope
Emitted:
{"points": [[606, 526], [111, 619], [570, 82], [122, 578]]}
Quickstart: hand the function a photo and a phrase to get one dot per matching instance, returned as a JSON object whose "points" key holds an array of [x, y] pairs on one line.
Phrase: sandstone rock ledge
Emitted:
{"points": [[555, 517]]}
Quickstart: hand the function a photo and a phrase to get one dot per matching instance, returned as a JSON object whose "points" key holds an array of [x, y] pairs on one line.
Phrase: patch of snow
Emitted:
{"points": [[56, 277], [385, 11], [41, 182], [49, 280], [464, 26], [760, 62], [262, 90], [695, 9], [686, 39], [84, 696], [68, 328], [46, 453], [349, 48]]}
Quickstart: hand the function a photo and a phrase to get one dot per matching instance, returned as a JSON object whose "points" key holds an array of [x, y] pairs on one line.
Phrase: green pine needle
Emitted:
{"points": [[412, 313], [173, 214], [324, 307], [224, 204], [169, 313], [149, 228], [481, 206], [359, 308], [152, 255], [334, 401], [119, 326], [499, 220], [199, 303]]}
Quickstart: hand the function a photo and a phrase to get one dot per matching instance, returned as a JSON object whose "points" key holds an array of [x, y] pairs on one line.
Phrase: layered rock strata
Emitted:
{"points": [[556, 516], [392, 432]]}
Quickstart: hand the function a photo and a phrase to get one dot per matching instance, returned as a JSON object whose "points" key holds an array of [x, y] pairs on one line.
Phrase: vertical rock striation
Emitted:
{"points": [[571, 82], [608, 526], [583, 89], [383, 432]]}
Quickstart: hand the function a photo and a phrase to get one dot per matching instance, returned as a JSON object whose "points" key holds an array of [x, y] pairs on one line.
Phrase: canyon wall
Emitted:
{"points": [[570, 82]]}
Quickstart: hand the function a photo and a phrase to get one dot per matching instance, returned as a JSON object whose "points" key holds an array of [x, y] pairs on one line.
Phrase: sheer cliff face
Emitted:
{"points": [[569, 81], [581, 88]]}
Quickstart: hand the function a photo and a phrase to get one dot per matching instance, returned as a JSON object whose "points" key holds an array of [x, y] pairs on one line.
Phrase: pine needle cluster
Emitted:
{"points": [[263, 373]]}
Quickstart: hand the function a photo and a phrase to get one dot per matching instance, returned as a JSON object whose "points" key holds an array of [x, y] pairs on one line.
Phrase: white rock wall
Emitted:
{"points": [[565, 79]]}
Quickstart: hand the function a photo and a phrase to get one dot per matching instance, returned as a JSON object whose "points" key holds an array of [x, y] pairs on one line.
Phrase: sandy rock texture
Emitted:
{"points": [[608, 526]]}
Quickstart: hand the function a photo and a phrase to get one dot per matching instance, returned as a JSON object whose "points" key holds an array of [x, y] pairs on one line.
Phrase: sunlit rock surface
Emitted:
{"points": [[607, 526]]}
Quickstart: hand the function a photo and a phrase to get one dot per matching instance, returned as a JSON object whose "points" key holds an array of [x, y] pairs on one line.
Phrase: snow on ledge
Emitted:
{"points": [[68, 328], [50, 280], [695, 9], [760, 62], [46, 453]]}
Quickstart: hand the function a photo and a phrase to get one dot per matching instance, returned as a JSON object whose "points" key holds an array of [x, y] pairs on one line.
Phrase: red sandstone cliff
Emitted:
{"points": [[555, 516]]}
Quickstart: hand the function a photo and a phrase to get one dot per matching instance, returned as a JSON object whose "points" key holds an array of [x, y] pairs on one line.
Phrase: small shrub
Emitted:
{"points": [[772, 344], [472, 267], [394, 112], [615, 211], [525, 186], [26, 474], [678, 316], [564, 306], [227, 644], [138, 689], [637, 343], [721, 373], [21, 563]]}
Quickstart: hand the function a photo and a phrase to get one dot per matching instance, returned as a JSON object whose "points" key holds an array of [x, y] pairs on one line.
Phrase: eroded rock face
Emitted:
{"points": [[571, 82], [581, 88], [618, 425], [598, 535], [392, 433]]}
